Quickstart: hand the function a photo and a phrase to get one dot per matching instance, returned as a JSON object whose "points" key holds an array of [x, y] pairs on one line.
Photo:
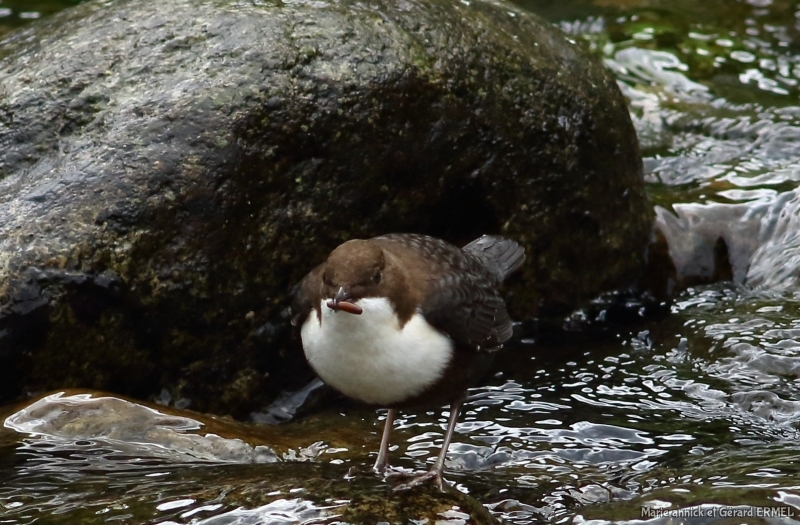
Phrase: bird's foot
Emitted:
{"points": [[433, 475], [397, 472], [388, 471]]}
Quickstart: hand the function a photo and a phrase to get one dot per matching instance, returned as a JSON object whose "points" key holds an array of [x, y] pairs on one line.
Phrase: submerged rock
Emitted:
{"points": [[131, 428], [168, 171], [698, 244], [755, 244], [117, 458]]}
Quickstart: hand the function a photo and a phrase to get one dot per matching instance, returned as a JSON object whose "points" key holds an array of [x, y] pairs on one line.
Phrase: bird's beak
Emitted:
{"points": [[340, 295], [340, 302]]}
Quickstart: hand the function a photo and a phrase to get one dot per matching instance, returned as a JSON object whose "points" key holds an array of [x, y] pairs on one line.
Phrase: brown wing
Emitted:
{"points": [[461, 297], [306, 297], [468, 307]]}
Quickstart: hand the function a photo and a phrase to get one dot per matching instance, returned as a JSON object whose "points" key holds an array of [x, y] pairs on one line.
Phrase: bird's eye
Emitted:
{"points": [[376, 278], [327, 279]]}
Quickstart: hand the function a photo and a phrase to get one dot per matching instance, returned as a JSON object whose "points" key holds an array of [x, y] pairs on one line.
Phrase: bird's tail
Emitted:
{"points": [[500, 256]]}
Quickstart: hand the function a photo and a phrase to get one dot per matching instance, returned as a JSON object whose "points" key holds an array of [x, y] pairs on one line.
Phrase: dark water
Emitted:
{"points": [[697, 410], [16, 13]]}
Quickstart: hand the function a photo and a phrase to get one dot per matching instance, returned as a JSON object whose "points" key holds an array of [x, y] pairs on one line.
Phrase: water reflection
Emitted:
{"points": [[708, 410], [702, 82], [708, 96], [279, 512], [699, 411], [17, 13]]}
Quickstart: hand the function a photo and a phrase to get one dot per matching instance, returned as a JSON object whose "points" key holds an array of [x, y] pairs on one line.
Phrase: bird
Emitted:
{"points": [[405, 320]]}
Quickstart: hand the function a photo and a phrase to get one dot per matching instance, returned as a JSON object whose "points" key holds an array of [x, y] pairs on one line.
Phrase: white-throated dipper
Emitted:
{"points": [[404, 320]]}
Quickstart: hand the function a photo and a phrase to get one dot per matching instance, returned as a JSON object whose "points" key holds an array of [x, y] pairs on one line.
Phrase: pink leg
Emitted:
{"points": [[435, 473], [383, 454]]}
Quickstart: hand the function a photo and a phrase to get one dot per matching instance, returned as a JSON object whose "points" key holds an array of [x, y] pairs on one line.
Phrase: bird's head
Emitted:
{"points": [[353, 271]]}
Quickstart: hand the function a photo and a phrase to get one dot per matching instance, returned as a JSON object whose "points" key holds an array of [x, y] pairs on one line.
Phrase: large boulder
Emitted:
{"points": [[168, 171]]}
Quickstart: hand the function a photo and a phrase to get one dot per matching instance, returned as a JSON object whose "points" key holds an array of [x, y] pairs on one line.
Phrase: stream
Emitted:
{"points": [[696, 408]]}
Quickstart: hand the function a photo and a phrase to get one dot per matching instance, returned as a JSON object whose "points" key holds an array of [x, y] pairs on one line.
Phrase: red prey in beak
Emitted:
{"points": [[339, 302]]}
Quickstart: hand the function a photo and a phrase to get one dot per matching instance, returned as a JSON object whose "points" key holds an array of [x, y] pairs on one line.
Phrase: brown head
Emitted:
{"points": [[353, 270]]}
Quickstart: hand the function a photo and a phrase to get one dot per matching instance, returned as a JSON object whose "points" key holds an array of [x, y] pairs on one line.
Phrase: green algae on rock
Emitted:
{"points": [[169, 170]]}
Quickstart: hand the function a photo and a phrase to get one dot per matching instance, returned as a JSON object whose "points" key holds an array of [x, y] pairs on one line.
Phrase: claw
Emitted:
{"points": [[433, 474]]}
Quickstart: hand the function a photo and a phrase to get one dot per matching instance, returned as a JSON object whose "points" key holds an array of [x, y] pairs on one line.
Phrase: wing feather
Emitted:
{"points": [[462, 298], [306, 297]]}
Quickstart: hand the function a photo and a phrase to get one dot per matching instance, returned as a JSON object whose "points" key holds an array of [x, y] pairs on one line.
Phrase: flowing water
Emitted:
{"points": [[697, 409]]}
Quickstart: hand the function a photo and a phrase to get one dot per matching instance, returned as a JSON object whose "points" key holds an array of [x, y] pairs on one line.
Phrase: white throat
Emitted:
{"points": [[369, 357]]}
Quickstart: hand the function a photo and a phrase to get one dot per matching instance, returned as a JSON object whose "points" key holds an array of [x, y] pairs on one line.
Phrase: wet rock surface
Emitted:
{"points": [[130, 427], [169, 170], [141, 456]]}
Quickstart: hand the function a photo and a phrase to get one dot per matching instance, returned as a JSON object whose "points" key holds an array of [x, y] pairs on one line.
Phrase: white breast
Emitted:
{"points": [[369, 357]]}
